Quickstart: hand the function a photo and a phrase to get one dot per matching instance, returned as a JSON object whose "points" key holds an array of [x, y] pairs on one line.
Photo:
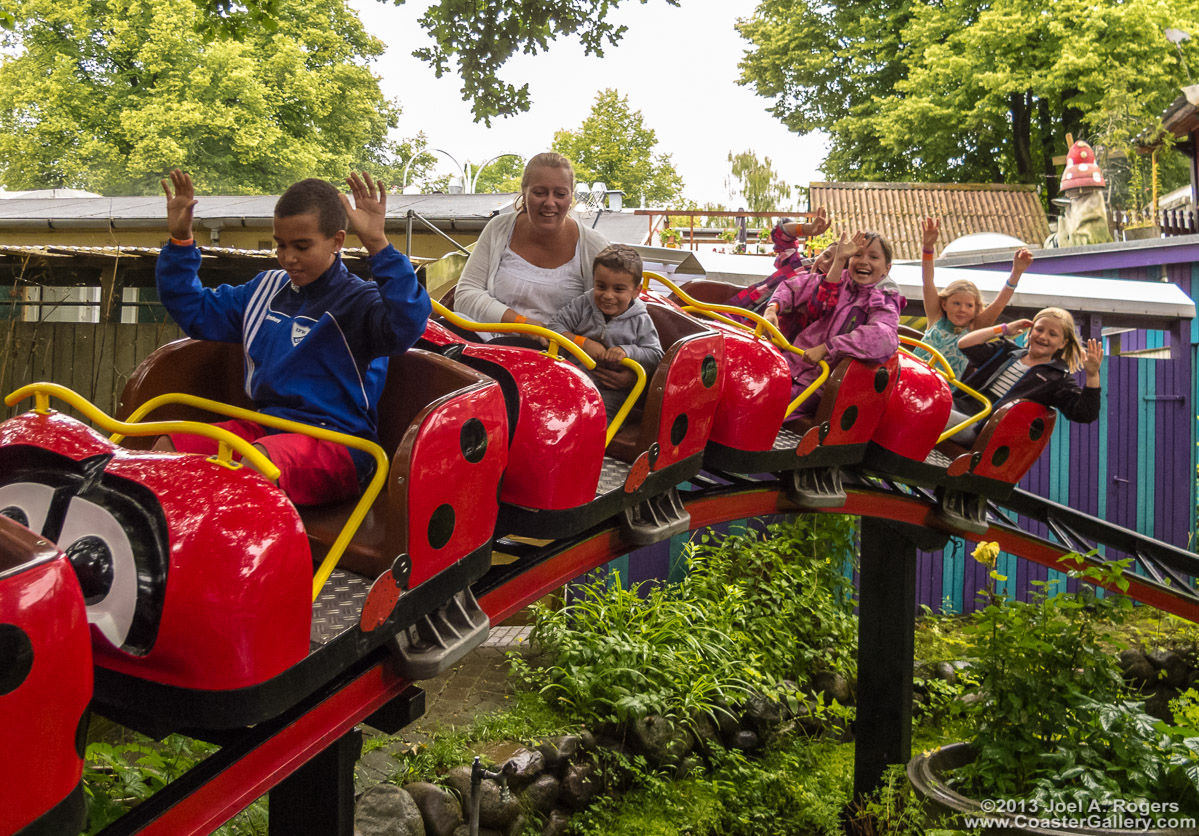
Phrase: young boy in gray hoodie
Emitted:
{"points": [[611, 323]]}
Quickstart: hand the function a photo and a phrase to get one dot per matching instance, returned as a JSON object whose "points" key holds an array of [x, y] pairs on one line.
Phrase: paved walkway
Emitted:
{"points": [[476, 685]]}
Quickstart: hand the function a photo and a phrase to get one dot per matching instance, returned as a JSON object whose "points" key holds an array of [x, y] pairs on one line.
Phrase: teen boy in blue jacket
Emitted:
{"points": [[315, 337]]}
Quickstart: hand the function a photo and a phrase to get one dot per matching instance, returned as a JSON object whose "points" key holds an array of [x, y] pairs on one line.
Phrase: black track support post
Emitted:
{"points": [[886, 648], [318, 798]]}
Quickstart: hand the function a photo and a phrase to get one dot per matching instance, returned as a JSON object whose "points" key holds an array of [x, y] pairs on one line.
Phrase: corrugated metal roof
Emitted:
{"points": [[58, 251], [896, 210], [465, 207]]}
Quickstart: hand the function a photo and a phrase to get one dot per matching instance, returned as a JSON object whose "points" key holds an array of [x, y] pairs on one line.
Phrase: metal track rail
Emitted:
{"points": [[256, 760]]}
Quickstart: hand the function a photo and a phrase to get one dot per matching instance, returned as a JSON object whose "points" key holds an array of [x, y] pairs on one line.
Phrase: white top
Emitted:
{"points": [[475, 297], [538, 292]]}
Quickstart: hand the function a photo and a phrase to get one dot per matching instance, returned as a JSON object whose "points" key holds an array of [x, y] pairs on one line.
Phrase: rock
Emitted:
{"points": [[688, 766], [763, 714], [744, 740], [1136, 668], [558, 752], [440, 809], [523, 767], [496, 809], [579, 785], [386, 810], [1172, 664], [1158, 704], [542, 794], [726, 720], [587, 739], [458, 779], [464, 830], [945, 672], [833, 686], [704, 731], [518, 825], [660, 740], [556, 824]]}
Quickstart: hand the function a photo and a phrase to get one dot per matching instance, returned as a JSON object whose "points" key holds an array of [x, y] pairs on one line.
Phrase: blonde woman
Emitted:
{"points": [[1042, 372], [528, 265]]}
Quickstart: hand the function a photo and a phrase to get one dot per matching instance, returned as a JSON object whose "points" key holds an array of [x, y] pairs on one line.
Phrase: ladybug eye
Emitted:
{"points": [[27, 503], [100, 552]]}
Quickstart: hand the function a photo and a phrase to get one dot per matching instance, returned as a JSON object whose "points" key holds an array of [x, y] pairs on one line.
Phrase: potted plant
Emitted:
{"points": [[1056, 737], [670, 237]]}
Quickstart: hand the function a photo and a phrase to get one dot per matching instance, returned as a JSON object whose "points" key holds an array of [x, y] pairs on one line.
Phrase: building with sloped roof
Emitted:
{"points": [[896, 210]]}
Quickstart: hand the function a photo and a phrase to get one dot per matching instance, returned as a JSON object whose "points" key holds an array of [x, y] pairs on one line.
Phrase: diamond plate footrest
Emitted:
{"points": [[438, 640], [815, 487], [655, 519], [963, 510]]}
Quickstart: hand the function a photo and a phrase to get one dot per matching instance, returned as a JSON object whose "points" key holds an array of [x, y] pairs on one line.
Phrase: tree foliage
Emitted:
{"points": [[760, 186], [613, 145], [107, 95], [501, 176], [965, 90]]}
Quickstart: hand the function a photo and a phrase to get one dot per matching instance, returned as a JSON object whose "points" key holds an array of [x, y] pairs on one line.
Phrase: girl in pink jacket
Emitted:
{"points": [[855, 314]]}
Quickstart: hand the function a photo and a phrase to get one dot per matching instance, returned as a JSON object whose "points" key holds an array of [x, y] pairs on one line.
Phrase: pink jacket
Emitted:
{"points": [[852, 319]]}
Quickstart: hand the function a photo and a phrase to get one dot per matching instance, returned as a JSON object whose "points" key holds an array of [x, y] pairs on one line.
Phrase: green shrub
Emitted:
{"points": [[754, 609]]}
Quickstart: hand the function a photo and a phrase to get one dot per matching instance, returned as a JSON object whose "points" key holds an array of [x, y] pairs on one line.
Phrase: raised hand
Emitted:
{"points": [[1092, 359], [1015, 329], [1021, 262], [180, 205], [929, 230], [817, 225], [368, 212]]}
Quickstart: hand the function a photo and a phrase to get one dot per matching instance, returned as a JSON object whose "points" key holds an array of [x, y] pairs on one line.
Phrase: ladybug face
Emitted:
{"points": [[111, 529]]}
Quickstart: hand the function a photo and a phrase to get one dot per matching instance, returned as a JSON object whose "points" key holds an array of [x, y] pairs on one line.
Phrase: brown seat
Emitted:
{"points": [[417, 381], [636, 436], [709, 292]]}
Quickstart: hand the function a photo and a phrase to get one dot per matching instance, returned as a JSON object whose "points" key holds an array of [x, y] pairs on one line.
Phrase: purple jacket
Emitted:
{"points": [[851, 319]]}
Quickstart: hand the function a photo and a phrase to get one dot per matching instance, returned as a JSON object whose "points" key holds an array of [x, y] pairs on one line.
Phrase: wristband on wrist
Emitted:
{"points": [[999, 330], [927, 251], [521, 319], [1009, 284], [1004, 327], [579, 340], [183, 242]]}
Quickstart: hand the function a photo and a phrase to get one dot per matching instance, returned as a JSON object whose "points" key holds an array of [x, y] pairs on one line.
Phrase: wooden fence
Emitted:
{"points": [[1169, 222], [94, 360]]}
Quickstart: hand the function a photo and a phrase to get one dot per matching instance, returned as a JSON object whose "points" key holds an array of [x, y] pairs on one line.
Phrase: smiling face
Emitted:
{"points": [[870, 265], [960, 308], [548, 194], [302, 249], [1046, 339], [614, 290]]}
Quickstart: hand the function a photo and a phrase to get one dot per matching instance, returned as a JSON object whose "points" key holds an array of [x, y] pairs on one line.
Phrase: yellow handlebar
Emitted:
{"points": [[946, 371], [762, 327], [555, 339], [364, 502], [226, 441]]}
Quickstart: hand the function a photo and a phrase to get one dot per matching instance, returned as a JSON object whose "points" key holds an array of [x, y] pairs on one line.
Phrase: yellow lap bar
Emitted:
{"points": [[364, 502], [763, 327]]}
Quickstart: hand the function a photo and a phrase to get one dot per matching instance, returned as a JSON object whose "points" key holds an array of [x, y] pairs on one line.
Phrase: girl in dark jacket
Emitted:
{"points": [[1042, 372]]}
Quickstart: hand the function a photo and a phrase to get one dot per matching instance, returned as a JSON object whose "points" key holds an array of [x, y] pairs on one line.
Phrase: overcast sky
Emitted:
{"points": [[677, 65]]}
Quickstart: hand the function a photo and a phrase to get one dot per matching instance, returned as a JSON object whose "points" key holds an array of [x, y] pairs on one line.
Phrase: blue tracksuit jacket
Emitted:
{"points": [[316, 354]]}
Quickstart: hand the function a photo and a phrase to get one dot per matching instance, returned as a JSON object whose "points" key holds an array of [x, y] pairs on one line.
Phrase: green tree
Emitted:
{"points": [[760, 187], [107, 95], [501, 176], [964, 90], [478, 37], [613, 145]]}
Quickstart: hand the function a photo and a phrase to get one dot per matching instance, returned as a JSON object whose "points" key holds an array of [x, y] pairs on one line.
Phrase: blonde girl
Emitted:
{"points": [[1042, 372], [959, 307]]}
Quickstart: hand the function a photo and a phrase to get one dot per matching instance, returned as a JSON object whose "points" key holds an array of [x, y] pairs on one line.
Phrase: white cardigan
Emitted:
{"points": [[473, 298]]}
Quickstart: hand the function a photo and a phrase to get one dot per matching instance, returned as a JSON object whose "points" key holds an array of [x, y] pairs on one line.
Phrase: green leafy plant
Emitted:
{"points": [[1054, 724], [755, 609], [669, 236]]}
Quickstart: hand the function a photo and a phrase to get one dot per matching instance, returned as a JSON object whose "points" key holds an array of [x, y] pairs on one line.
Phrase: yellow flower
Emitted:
{"points": [[986, 553]]}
